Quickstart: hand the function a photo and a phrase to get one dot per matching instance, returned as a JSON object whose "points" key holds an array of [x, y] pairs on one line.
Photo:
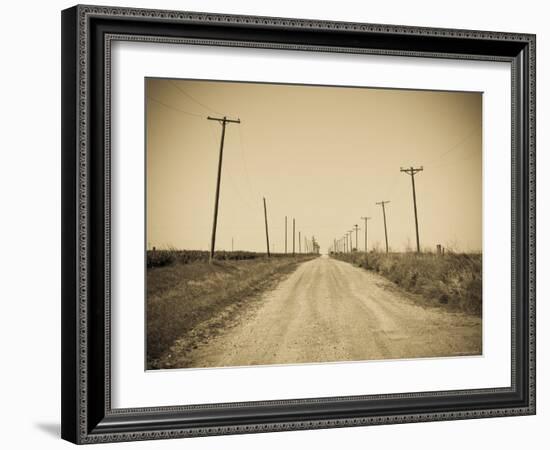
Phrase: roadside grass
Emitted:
{"points": [[182, 295], [165, 257], [452, 280]]}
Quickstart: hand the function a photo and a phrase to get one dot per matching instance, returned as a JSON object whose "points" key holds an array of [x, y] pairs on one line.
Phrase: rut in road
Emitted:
{"points": [[329, 310]]}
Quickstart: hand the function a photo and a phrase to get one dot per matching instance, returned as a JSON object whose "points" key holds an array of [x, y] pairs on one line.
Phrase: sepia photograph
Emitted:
{"points": [[300, 224]]}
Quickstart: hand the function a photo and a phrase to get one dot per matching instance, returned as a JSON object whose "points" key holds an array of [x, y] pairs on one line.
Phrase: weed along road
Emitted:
{"points": [[330, 310]]}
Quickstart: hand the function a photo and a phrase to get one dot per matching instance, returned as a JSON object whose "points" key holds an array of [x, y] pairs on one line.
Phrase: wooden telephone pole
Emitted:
{"points": [[223, 121], [266, 229], [356, 240], [383, 203], [366, 219], [293, 236], [412, 171], [285, 235]]}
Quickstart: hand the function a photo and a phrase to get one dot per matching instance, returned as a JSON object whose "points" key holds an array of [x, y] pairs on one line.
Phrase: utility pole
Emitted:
{"points": [[366, 219], [356, 241], [285, 236], [266, 229], [299, 242], [412, 171], [350, 241], [383, 203], [293, 236], [223, 123]]}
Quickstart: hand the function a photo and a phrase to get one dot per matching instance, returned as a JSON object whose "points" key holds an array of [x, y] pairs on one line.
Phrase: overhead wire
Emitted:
{"points": [[194, 99], [245, 164], [232, 183], [175, 108], [457, 146], [241, 147], [465, 157]]}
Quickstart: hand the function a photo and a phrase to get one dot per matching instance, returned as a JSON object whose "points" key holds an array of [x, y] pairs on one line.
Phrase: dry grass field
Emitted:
{"points": [[452, 280]]}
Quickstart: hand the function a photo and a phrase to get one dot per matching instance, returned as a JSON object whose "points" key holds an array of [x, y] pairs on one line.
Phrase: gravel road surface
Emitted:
{"points": [[329, 310]]}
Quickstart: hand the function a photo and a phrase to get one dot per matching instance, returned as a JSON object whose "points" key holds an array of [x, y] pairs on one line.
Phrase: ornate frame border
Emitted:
{"points": [[80, 422]]}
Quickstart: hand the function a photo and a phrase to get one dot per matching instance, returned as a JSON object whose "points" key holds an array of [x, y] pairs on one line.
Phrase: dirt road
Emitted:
{"points": [[329, 310]]}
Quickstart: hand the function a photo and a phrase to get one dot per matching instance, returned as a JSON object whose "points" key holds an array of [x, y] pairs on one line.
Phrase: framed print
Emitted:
{"points": [[268, 222]]}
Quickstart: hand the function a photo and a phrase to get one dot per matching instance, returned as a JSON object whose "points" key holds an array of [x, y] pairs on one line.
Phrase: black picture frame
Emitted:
{"points": [[87, 32]]}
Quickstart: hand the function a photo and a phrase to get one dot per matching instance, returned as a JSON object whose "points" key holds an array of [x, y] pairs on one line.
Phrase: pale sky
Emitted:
{"points": [[323, 155]]}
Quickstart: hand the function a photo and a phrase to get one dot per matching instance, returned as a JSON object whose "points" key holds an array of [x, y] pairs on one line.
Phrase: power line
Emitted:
{"points": [[245, 165], [392, 187], [174, 108], [472, 133], [248, 202], [247, 196], [194, 99], [244, 197], [466, 156], [250, 192]]}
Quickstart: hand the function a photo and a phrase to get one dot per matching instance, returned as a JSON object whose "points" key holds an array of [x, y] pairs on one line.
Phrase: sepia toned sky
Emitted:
{"points": [[323, 155]]}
